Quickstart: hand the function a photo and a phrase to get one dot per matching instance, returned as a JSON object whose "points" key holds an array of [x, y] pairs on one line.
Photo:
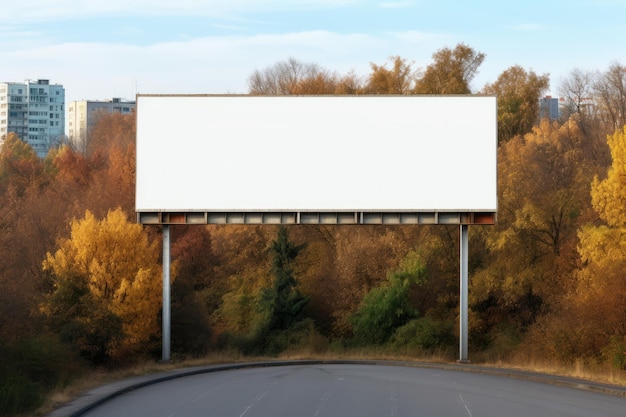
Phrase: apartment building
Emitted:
{"points": [[549, 108], [35, 111], [82, 115]]}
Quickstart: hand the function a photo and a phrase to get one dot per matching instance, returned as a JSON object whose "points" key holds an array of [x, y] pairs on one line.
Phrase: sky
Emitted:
{"points": [[99, 49]]}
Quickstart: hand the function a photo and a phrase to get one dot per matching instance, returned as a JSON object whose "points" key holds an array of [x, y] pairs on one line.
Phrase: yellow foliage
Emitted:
{"points": [[609, 196], [600, 296], [120, 265]]}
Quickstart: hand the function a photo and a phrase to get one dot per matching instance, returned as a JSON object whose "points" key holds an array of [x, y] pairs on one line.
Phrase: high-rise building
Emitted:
{"points": [[35, 111], [549, 108], [82, 115]]}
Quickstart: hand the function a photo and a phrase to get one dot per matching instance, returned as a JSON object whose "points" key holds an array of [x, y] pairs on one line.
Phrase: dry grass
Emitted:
{"points": [[579, 369], [96, 378]]}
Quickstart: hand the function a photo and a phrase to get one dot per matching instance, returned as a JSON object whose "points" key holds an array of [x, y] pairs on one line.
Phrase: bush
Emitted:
{"points": [[18, 393], [301, 338], [615, 352], [424, 334], [30, 367], [384, 309]]}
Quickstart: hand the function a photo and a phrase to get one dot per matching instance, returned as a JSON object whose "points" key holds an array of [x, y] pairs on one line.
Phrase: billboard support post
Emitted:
{"points": [[464, 282], [166, 295]]}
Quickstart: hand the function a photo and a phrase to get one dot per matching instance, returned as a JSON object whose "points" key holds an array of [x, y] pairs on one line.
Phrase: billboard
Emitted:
{"points": [[293, 159]]}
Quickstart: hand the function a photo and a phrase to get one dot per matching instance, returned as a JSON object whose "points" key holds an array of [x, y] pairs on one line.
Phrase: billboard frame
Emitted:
{"points": [[463, 217], [417, 175]]}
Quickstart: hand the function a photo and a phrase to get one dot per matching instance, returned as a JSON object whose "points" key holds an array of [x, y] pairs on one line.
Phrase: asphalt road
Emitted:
{"points": [[319, 390]]}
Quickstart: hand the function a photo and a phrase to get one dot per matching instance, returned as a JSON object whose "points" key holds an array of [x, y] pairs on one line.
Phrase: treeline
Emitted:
{"points": [[80, 281]]}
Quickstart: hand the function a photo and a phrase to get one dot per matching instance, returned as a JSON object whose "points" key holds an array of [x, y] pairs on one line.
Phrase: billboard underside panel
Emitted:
{"points": [[338, 218], [316, 159]]}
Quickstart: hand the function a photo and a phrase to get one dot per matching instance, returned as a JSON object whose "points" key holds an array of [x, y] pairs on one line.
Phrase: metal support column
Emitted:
{"points": [[166, 295], [464, 282]]}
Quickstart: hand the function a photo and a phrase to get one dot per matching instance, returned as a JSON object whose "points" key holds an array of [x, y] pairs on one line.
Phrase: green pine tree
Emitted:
{"points": [[283, 303]]}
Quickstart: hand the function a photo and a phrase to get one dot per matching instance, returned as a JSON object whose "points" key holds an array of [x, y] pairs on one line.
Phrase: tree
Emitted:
{"points": [[518, 93], [577, 93], [284, 78], [451, 72], [363, 256], [194, 294], [398, 80], [111, 131], [282, 304], [120, 268], [610, 91], [543, 198], [240, 273], [349, 84], [82, 321], [609, 195], [321, 83], [591, 325], [111, 154], [19, 164], [386, 308]]}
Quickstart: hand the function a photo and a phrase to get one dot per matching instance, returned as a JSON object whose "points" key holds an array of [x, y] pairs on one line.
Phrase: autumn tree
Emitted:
{"points": [[543, 197], [242, 268], [31, 217], [590, 325], [284, 77], [19, 164], [399, 79], [363, 256], [111, 131], [610, 93], [451, 72], [348, 84], [114, 260], [38, 199], [195, 295], [323, 83], [81, 320], [602, 250], [518, 92]]}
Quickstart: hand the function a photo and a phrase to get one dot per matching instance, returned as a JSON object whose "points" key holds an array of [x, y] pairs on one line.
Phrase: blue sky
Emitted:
{"points": [[117, 48]]}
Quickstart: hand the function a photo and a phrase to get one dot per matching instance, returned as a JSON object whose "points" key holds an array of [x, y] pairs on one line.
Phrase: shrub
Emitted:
{"points": [[30, 367], [424, 334], [387, 307]]}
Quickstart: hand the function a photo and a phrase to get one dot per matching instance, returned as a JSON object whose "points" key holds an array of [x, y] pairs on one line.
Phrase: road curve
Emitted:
{"points": [[351, 389]]}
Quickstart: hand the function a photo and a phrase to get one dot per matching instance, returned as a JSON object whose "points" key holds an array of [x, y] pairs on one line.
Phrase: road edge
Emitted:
{"points": [[85, 402]]}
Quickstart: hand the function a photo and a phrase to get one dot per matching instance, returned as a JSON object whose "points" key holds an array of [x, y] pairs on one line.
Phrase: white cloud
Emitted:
{"points": [[217, 64], [200, 65]]}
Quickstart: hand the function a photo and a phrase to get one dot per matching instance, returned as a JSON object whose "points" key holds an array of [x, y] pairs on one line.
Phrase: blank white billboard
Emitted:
{"points": [[205, 153]]}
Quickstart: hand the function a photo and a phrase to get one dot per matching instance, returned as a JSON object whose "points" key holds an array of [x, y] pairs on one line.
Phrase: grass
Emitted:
{"points": [[98, 378]]}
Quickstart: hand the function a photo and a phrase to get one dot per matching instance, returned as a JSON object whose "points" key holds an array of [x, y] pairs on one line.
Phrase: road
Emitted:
{"points": [[356, 390]]}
